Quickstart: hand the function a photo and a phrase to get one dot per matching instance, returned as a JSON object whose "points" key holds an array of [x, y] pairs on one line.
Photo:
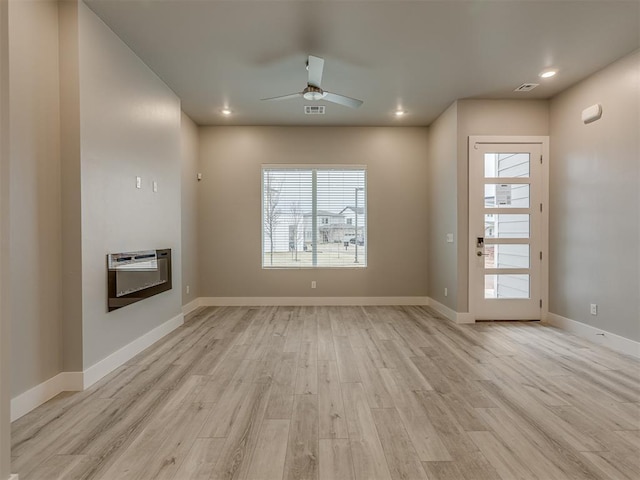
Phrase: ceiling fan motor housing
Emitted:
{"points": [[313, 93]]}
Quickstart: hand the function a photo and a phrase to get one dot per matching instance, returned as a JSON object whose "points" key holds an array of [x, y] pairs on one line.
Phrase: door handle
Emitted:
{"points": [[480, 254]]}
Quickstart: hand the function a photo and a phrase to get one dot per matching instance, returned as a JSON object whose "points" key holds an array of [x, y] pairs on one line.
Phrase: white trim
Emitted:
{"points": [[36, 396], [595, 335], [191, 306], [450, 314], [78, 381], [309, 301], [119, 357]]}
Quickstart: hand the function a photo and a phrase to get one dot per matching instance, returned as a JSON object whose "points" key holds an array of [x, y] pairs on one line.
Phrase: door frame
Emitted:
{"points": [[543, 141]]}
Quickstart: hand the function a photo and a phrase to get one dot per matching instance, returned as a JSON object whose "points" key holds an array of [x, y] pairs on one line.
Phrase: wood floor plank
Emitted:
{"points": [[271, 448], [201, 459], [501, 457], [401, 457], [335, 459], [326, 350], [302, 448], [283, 387], [442, 470], [161, 446], [332, 422], [307, 378], [242, 437], [368, 456], [347, 367], [377, 394], [56, 467]]}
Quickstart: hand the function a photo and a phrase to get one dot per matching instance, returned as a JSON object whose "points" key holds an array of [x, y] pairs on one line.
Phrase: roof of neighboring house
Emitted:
{"points": [[353, 209], [324, 213]]}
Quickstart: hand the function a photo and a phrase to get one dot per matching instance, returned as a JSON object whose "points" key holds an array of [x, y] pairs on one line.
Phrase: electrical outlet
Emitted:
{"points": [[188, 288], [446, 291], [313, 284], [594, 309]]}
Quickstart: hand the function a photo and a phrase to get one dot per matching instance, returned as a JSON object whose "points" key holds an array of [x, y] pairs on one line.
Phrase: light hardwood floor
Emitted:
{"points": [[345, 393]]}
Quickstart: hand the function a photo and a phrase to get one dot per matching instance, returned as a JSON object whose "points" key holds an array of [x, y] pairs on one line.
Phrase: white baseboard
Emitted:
{"points": [[78, 381], [126, 353], [309, 301], [449, 313], [595, 335], [36, 396], [191, 306]]}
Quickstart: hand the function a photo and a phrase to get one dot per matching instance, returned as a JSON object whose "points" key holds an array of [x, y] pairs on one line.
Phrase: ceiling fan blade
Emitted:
{"points": [[342, 100], [284, 97], [315, 65]]}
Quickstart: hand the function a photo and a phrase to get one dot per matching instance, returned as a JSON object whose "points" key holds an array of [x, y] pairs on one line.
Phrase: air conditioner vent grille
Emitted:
{"points": [[314, 109], [526, 87]]}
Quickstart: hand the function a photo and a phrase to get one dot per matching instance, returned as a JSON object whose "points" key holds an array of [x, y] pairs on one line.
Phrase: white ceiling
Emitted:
{"points": [[418, 55]]}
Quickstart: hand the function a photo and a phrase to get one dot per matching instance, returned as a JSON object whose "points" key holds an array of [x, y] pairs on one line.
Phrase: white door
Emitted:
{"points": [[507, 228]]}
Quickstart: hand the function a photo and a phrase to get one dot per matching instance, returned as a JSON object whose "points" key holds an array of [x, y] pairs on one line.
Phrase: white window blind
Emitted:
{"points": [[314, 217]]}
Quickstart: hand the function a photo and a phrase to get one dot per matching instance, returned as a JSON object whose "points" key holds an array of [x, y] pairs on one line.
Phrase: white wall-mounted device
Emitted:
{"points": [[592, 113]]}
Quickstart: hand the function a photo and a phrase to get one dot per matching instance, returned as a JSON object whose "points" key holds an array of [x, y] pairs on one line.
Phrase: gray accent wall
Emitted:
{"points": [[595, 204], [35, 194], [230, 209], [442, 212], [190, 208], [130, 126]]}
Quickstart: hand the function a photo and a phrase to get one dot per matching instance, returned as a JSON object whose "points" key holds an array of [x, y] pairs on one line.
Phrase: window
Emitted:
{"points": [[314, 217]]}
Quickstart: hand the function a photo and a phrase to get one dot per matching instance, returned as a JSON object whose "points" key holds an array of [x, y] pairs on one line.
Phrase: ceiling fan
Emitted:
{"points": [[314, 91]]}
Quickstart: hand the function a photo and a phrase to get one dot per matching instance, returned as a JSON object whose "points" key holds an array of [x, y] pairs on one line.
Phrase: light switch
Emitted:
{"points": [[155, 186], [449, 237]]}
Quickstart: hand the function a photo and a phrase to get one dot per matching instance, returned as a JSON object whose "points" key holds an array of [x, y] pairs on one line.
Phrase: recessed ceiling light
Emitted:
{"points": [[399, 113], [550, 72], [226, 111]]}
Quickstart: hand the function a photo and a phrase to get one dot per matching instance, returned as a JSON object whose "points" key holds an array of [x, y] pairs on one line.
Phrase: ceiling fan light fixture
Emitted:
{"points": [[313, 93]]}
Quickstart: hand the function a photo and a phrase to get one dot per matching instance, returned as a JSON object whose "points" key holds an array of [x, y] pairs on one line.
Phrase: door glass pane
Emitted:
{"points": [[506, 195], [506, 286], [506, 256], [506, 225], [498, 165]]}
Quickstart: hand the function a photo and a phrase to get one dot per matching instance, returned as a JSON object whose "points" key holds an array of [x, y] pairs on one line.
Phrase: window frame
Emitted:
{"points": [[315, 221]]}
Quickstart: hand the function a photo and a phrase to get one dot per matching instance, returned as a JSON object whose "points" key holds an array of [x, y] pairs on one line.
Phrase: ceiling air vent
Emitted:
{"points": [[314, 109], [526, 87]]}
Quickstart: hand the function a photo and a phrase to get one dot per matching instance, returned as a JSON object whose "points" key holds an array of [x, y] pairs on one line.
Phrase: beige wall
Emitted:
{"points": [[71, 187], [595, 205], [189, 208], [130, 126], [35, 205], [442, 213], [230, 209], [5, 327], [488, 117]]}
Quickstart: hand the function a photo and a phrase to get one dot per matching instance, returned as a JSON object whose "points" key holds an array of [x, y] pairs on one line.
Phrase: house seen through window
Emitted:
{"points": [[314, 217]]}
